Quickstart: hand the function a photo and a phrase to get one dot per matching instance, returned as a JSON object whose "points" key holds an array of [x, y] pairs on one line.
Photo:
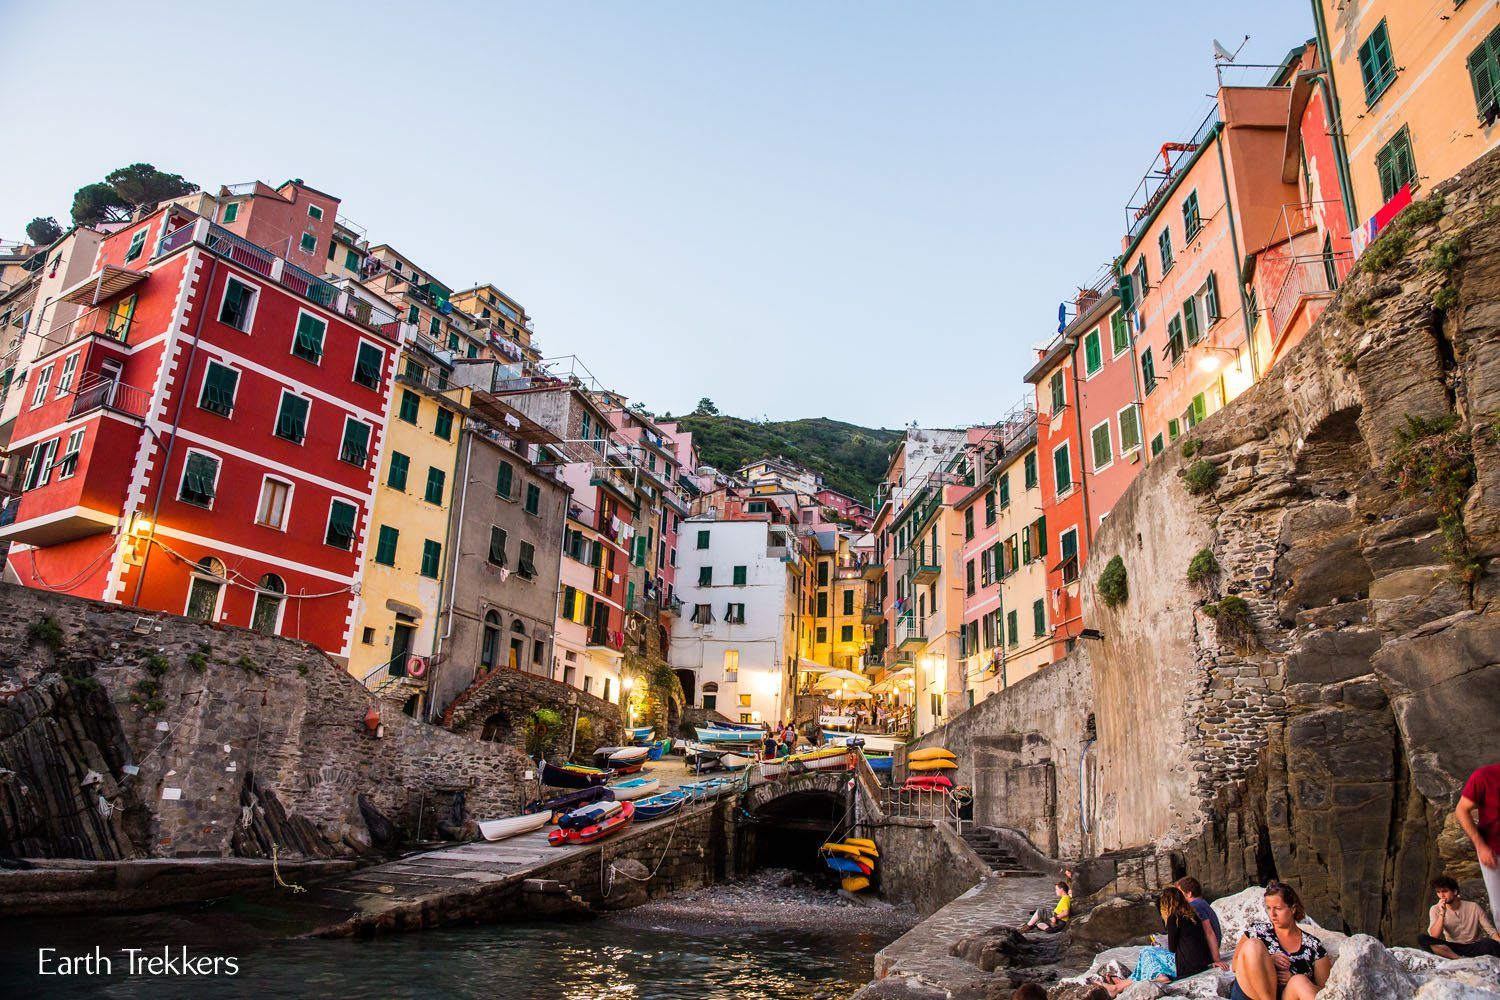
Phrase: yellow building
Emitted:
{"points": [[835, 632], [1416, 87], [401, 584], [504, 319]]}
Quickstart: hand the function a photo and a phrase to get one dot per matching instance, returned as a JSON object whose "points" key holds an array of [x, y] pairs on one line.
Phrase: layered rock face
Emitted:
{"points": [[1310, 708]]}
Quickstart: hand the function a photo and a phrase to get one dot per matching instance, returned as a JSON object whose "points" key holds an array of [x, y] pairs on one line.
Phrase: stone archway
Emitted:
{"points": [[783, 823]]}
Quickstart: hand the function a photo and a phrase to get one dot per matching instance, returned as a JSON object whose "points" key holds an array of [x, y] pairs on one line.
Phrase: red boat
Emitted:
{"points": [[928, 783], [589, 834]]}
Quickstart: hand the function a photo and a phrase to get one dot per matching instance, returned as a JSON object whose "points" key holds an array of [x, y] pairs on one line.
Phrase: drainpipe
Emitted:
{"points": [[1239, 270], [182, 393], [1336, 117], [1083, 465], [457, 553]]}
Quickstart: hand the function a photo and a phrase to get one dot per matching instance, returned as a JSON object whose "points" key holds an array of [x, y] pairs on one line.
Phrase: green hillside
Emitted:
{"points": [[850, 458]]}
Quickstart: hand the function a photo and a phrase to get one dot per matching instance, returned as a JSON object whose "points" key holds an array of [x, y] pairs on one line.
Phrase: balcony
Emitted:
{"points": [[910, 633], [927, 565], [873, 570], [98, 393], [606, 640], [873, 615]]}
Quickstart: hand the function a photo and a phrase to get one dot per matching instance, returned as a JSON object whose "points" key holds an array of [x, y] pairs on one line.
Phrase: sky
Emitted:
{"points": [[861, 210]]}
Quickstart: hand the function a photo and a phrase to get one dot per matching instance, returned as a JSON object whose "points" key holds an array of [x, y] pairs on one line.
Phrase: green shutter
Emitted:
{"points": [[1062, 469], [432, 554], [436, 480], [739, 576], [1119, 332], [340, 525], [308, 344], [1041, 537], [1190, 319], [1005, 489], [1211, 300], [411, 406], [1026, 544], [198, 475], [219, 383], [385, 548], [291, 418], [1093, 354], [534, 506], [355, 448], [396, 478], [1012, 629], [1148, 370], [1484, 73], [1039, 617], [1127, 292], [503, 480], [497, 556], [443, 425], [367, 367], [1069, 544]]}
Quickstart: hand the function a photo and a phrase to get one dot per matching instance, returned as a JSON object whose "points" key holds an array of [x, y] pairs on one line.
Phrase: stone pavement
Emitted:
{"points": [[921, 956]]}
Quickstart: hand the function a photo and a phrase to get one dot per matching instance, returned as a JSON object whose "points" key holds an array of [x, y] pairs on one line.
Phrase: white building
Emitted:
{"points": [[735, 640]]}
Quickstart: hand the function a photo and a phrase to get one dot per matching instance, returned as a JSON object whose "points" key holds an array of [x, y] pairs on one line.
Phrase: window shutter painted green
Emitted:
{"points": [[443, 425], [1012, 629], [1069, 545], [1119, 332], [367, 367], [432, 555], [396, 478], [291, 418], [1041, 537], [1039, 617], [1127, 292], [1026, 544], [1093, 354], [1211, 299], [1062, 469], [385, 548], [436, 481], [1005, 489], [1190, 319], [503, 479], [219, 383], [355, 448], [308, 344], [1484, 73], [497, 556], [340, 525], [739, 576]]}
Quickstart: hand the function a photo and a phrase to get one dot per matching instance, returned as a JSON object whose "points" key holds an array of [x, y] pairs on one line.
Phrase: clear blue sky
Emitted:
{"points": [[861, 210]]}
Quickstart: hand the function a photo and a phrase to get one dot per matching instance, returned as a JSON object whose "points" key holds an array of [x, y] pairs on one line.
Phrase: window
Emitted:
{"points": [[1191, 221], [1012, 630], [503, 479], [496, 555], [757, 507], [432, 556], [1197, 412], [820, 636], [740, 575], [1376, 64], [65, 379], [705, 576], [442, 426], [1173, 430], [238, 305], [734, 614], [385, 547], [1164, 247], [1190, 320], [41, 464], [1059, 391], [1208, 297], [1039, 618], [411, 405], [1157, 446], [526, 561], [1174, 339], [823, 572], [1031, 473], [219, 383], [309, 243], [43, 383], [1130, 430], [355, 448], [137, 245], [969, 578], [1102, 446], [200, 474], [291, 417], [1395, 164], [534, 504], [340, 533], [367, 366], [351, 260], [1148, 370], [702, 539], [275, 494], [1067, 543], [848, 602], [1140, 277], [436, 480], [314, 212], [308, 343], [969, 524], [1093, 353], [231, 212], [1004, 494], [822, 604], [1062, 468], [1484, 73], [68, 464], [1119, 334], [120, 316], [846, 633], [396, 477]]}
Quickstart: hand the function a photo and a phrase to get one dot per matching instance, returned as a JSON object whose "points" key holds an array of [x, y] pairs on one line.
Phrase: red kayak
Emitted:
{"points": [[927, 783], [589, 834]]}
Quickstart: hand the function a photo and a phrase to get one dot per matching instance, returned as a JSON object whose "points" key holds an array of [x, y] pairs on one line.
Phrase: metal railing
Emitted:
{"points": [[908, 628], [96, 393], [1149, 192], [8, 511]]}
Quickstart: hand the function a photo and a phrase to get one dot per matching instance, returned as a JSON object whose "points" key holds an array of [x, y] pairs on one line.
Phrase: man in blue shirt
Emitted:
{"points": [[1193, 890]]}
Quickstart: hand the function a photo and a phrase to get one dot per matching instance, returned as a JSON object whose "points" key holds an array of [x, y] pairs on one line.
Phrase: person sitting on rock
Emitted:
{"points": [[1458, 928], [1186, 953], [1056, 919], [1277, 959], [1193, 890]]}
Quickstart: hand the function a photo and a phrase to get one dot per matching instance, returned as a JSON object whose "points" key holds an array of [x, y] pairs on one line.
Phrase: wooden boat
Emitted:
{"points": [[640, 734], [661, 805], [573, 775], [871, 742], [928, 783], [572, 800], [733, 760], [931, 753], [589, 834], [659, 749], [499, 829], [715, 734], [933, 764], [825, 759], [635, 788], [588, 815]]}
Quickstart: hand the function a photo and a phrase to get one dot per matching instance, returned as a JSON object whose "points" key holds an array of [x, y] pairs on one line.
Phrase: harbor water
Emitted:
{"points": [[775, 935]]}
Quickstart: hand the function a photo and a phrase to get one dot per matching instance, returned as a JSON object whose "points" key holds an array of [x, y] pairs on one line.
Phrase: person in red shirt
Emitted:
{"points": [[1478, 813]]}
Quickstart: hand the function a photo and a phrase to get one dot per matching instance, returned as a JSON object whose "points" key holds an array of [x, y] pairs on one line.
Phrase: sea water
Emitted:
{"points": [[775, 935]]}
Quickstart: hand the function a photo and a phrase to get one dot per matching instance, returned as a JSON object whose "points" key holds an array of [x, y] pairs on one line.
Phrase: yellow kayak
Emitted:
{"points": [[851, 850], [861, 842], [935, 764], [854, 883], [931, 753]]}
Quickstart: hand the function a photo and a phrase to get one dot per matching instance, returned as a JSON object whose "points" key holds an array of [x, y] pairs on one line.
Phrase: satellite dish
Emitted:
{"points": [[1221, 54]]}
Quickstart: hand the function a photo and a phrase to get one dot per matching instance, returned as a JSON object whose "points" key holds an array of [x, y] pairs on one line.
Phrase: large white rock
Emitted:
{"points": [[1126, 956], [1479, 976], [1141, 991], [1449, 989], [1366, 970]]}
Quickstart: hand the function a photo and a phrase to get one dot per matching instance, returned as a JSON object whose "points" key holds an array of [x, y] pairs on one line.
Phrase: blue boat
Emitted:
{"points": [[661, 805], [702, 791], [880, 765], [660, 749], [724, 734], [848, 866], [639, 734]]}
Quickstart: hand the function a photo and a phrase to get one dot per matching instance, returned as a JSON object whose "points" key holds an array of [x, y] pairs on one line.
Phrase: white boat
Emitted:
{"points": [[712, 734], [732, 760], [635, 788], [499, 829], [873, 743], [824, 759], [629, 755]]}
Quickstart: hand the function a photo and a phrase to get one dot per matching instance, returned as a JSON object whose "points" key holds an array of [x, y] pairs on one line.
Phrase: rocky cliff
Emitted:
{"points": [[1310, 703]]}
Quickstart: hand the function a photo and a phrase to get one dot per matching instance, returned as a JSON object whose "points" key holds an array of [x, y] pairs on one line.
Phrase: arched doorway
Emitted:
{"points": [[206, 590], [489, 646], [787, 830], [711, 696], [270, 596], [517, 644]]}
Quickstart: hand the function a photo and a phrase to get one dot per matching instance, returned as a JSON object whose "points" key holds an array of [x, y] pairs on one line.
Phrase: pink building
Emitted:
{"points": [[1108, 392]]}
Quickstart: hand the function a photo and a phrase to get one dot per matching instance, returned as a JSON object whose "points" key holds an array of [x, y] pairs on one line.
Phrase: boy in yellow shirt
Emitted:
{"points": [[1057, 919]]}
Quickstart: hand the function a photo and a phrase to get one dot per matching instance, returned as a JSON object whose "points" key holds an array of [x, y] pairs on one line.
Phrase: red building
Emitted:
{"points": [[1108, 392], [203, 438]]}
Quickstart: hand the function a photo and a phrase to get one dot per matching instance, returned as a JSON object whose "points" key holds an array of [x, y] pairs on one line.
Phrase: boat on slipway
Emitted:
{"points": [[825, 759], [870, 741], [500, 829], [661, 805], [573, 775], [719, 734]]}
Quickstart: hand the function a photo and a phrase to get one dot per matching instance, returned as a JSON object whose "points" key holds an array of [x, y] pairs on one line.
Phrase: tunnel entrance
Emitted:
{"points": [[786, 831]]}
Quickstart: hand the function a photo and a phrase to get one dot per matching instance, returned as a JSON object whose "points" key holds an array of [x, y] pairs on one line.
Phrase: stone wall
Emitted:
{"points": [[498, 705], [125, 736], [1020, 750]]}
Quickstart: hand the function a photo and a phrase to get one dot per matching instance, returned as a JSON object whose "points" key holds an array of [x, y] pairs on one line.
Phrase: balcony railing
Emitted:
{"points": [[106, 394], [8, 511], [909, 630], [1305, 277], [926, 565], [606, 640]]}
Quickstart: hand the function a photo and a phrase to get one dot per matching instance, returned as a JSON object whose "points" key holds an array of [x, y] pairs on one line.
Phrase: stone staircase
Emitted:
{"points": [[1000, 860]]}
